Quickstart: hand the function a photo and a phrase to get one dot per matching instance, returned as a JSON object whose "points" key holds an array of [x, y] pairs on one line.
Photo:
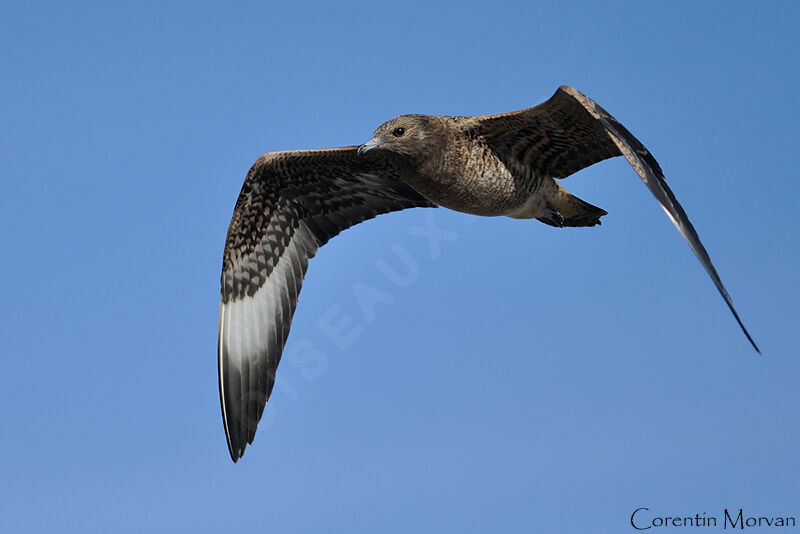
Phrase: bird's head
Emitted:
{"points": [[411, 136]]}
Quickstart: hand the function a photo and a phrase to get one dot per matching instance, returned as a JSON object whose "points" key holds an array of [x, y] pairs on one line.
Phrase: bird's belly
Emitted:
{"points": [[489, 191]]}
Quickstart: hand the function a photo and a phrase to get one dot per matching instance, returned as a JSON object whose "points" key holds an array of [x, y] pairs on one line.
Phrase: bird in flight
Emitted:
{"points": [[293, 202]]}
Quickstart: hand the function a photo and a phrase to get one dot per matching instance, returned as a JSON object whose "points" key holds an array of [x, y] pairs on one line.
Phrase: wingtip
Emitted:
{"points": [[738, 320], [750, 339], [236, 453]]}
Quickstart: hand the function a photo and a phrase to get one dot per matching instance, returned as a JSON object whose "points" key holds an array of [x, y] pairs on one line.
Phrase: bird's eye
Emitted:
{"points": [[398, 132]]}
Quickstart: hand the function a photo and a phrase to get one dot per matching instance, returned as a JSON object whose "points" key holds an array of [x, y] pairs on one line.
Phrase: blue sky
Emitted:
{"points": [[521, 379]]}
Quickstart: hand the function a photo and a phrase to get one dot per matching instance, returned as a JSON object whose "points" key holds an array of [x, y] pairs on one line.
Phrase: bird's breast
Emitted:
{"points": [[471, 179]]}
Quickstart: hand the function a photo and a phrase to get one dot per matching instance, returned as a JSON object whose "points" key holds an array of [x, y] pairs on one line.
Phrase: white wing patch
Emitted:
{"points": [[252, 333]]}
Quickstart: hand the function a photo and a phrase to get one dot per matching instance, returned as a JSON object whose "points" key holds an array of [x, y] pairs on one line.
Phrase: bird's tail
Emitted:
{"points": [[565, 209]]}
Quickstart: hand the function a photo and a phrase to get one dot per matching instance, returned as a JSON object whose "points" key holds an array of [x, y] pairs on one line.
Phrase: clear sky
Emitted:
{"points": [[520, 378]]}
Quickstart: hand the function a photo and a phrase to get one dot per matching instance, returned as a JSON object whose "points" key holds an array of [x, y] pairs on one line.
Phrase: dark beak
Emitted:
{"points": [[369, 145]]}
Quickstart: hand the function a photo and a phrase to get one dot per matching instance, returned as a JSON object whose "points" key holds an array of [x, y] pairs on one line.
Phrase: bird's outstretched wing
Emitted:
{"points": [[569, 132], [291, 204]]}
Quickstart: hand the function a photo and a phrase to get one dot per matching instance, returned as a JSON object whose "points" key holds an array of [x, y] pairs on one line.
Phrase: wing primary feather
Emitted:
{"points": [[259, 338], [222, 371], [244, 371], [653, 177], [229, 384]]}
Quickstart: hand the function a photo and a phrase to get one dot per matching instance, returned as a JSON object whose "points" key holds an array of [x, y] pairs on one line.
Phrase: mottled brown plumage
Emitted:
{"points": [[292, 203]]}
